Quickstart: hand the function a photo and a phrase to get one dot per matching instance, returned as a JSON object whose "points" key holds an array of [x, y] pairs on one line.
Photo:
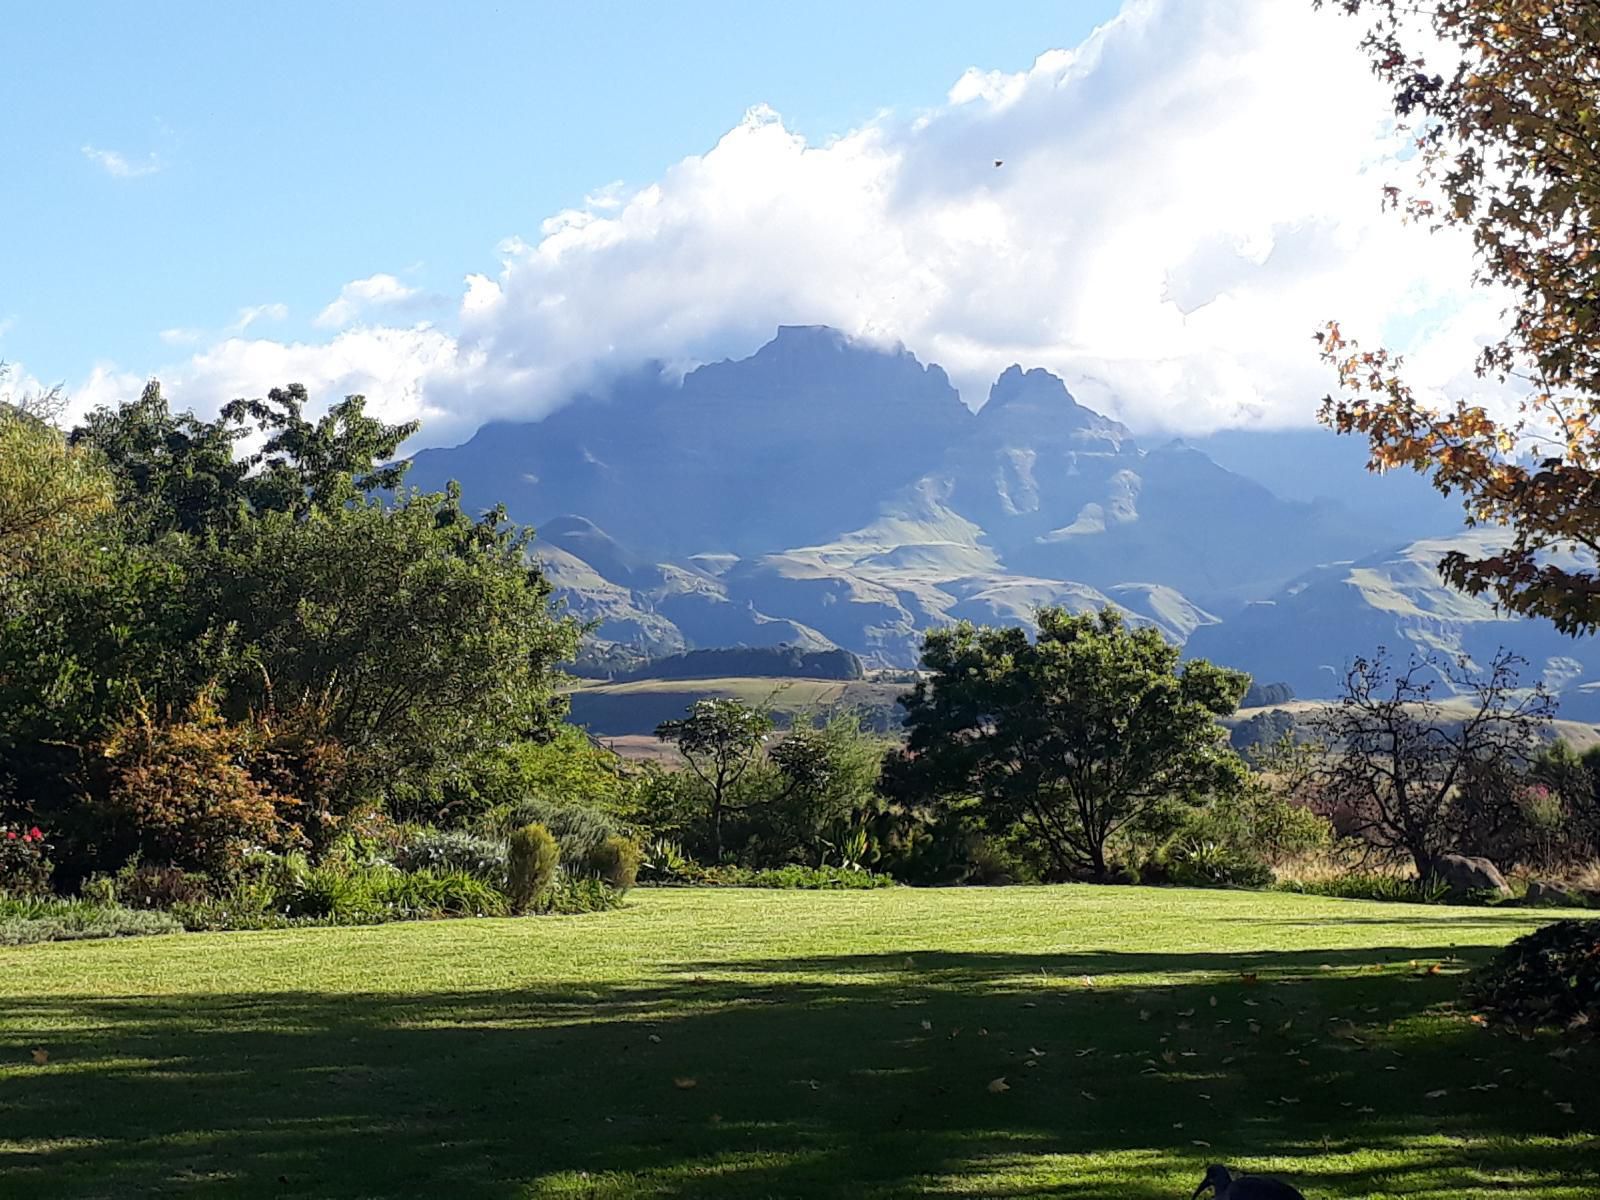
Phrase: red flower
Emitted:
{"points": [[11, 835], [35, 834]]}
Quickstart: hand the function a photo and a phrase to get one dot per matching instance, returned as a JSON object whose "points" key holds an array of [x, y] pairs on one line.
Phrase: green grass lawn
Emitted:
{"points": [[764, 1044]]}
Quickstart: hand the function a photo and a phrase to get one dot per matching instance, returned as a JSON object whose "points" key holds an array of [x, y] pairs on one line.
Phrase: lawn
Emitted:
{"points": [[1063, 1041]]}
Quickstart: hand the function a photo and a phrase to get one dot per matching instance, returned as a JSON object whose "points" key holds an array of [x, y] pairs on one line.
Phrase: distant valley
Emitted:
{"points": [[825, 493]]}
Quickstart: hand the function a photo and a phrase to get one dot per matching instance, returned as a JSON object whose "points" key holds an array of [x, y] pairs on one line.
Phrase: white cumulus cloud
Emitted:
{"points": [[361, 296], [1180, 202]]}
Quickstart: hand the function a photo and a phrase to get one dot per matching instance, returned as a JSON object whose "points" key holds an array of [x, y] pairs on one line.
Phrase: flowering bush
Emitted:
{"points": [[24, 860]]}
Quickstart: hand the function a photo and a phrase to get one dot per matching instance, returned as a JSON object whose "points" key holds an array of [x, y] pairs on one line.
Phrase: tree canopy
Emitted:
{"points": [[1503, 98], [1072, 736]]}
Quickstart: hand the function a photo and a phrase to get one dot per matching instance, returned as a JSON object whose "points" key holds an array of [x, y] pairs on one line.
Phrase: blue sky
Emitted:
{"points": [[273, 152], [469, 212]]}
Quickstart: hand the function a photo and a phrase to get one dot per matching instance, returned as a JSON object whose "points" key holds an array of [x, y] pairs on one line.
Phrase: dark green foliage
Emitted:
{"points": [[1548, 977], [616, 861], [579, 829], [1358, 885], [24, 921], [719, 740], [790, 877], [1261, 695], [531, 863], [1073, 736], [577, 894], [363, 652], [1211, 864], [454, 851]]}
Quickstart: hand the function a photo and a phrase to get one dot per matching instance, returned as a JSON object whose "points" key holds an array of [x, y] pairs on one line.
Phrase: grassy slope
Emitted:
{"points": [[837, 1043], [637, 707]]}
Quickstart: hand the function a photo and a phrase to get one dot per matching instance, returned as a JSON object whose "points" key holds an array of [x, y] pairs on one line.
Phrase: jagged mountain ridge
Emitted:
{"points": [[825, 492]]}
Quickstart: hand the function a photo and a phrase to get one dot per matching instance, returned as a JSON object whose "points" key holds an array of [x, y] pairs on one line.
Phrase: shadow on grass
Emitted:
{"points": [[849, 1075]]}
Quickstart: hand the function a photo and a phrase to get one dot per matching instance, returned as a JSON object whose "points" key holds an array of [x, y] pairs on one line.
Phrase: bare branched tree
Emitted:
{"points": [[1411, 773]]}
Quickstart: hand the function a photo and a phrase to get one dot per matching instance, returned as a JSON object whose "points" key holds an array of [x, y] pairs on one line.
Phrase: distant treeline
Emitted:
{"points": [[787, 662]]}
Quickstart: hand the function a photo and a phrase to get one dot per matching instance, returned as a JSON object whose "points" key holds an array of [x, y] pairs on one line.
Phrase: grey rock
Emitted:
{"points": [[1462, 874], [1542, 891]]}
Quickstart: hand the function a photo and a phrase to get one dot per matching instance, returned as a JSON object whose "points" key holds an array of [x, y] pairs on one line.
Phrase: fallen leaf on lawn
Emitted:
{"points": [[683, 1083], [1434, 1095], [656, 1038], [1168, 1057], [1089, 1096], [910, 962], [1198, 1142], [1213, 1002], [1144, 1014], [1478, 1019], [1365, 1109], [40, 1057], [1564, 1052], [999, 1085], [927, 1025], [983, 1032], [1252, 1004], [1255, 1026], [1035, 1053], [1030, 1064], [1088, 981], [1564, 1106], [1249, 977], [1186, 1012]]}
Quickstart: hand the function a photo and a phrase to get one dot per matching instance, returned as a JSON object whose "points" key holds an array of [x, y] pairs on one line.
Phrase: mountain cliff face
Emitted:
{"points": [[827, 493]]}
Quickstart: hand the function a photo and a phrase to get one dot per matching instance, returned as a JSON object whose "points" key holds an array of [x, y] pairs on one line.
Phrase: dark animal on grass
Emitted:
{"points": [[1228, 1186]]}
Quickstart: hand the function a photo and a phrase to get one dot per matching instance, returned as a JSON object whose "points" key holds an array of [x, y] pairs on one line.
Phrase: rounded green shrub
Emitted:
{"points": [[532, 857], [616, 861]]}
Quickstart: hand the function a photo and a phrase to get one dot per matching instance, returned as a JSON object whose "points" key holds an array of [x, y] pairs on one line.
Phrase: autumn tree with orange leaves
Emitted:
{"points": [[1503, 100]]}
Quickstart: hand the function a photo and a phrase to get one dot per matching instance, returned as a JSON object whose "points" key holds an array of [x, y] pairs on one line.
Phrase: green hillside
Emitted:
{"points": [[637, 707]]}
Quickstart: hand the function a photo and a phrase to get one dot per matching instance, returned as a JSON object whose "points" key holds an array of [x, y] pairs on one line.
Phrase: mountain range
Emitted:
{"points": [[825, 492]]}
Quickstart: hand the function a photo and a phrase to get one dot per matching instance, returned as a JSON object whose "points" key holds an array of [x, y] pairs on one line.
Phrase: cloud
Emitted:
{"points": [[362, 296], [258, 312], [1184, 198], [119, 166], [180, 337]]}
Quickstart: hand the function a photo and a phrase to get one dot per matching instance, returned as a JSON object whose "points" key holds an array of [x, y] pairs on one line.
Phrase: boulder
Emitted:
{"points": [[1463, 874], [1542, 891]]}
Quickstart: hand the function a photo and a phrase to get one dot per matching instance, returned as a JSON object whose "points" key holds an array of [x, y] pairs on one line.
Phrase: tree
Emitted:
{"points": [[827, 800], [1072, 736], [426, 637], [1413, 776], [1504, 99], [719, 740], [48, 489]]}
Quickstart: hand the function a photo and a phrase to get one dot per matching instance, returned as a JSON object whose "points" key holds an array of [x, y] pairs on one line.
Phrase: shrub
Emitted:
{"points": [[616, 861], [532, 859], [454, 851], [1548, 977], [579, 830], [793, 876], [572, 894], [142, 885], [438, 894], [50, 919], [25, 866], [1359, 885], [664, 861], [176, 787], [1210, 864]]}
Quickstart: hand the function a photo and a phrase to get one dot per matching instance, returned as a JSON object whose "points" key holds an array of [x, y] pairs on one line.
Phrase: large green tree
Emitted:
{"points": [[1071, 736], [720, 740]]}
